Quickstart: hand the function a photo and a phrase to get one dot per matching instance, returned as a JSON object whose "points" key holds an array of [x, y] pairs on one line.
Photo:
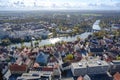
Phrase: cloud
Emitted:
{"points": [[117, 4], [19, 4], [60, 4]]}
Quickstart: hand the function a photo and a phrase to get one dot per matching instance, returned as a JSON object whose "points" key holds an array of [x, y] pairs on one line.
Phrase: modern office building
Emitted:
{"points": [[79, 68], [115, 27], [115, 66], [89, 66]]}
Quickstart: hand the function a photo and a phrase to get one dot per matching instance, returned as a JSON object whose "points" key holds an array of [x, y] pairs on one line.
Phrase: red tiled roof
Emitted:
{"points": [[47, 69], [16, 67], [36, 65], [80, 78], [117, 76], [27, 61]]}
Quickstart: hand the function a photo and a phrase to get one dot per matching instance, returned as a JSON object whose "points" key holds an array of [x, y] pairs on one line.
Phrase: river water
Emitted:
{"points": [[54, 40], [59, 39]]}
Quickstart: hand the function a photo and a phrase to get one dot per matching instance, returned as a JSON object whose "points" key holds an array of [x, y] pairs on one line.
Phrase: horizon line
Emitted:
{"points": [[64, 10]]}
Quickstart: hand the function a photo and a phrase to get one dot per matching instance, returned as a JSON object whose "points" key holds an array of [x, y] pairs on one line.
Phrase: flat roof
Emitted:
{"points": [[42, 72], [67, 78], [90, 63], [97, 63], [29, 76], [116, 61], [81, 64]]}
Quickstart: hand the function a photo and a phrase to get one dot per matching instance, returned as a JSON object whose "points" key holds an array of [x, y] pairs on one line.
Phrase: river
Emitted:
{"points": [[96, 25], [54, 40], [59, 39]]}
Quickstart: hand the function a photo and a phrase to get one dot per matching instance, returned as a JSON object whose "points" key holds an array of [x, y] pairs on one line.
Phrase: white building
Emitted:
{"points": [[97, 67], [36, 75], [79, 68], [115, 66], [90, 66], [115, 27], [27, 76]]}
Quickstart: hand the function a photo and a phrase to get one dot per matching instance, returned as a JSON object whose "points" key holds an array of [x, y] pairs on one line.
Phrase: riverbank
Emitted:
{"points": [[54, 40]]}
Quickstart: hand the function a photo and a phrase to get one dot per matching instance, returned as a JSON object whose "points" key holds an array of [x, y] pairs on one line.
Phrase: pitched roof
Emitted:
{"points": [[36, 65], [41, 58], [96, 49], [27, 61], [80, 78], [47, 69], [15, 67], [117, 76]]}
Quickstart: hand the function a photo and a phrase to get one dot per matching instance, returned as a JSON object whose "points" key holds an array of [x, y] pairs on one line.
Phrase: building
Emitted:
{"points": [[116, 76], [89, 66], [17, 69], [3, 33], [22, 63], [80, 78], [29, 76], [79, 68], [42, 58], [71, 78], [97, 67], [96, 51], [56, 69], [43, 73], [115, 27], [115, 66]]}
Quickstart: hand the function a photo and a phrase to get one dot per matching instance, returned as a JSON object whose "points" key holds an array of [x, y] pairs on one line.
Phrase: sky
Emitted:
{"points": [[59, 4]]}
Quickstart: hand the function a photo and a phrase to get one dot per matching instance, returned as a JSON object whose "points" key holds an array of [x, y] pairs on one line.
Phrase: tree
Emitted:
{"points": [[22, 44], [5, 42], [118, 57], [68, 57], [36, 43], [116, 32]]}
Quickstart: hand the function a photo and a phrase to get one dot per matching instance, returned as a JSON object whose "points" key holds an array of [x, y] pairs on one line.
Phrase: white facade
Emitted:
{"points": [[90, 66], [78, 70], [115, 26], [38, 75]]}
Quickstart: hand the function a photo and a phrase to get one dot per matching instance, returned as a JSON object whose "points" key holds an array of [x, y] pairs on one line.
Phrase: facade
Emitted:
{"points": [[22, 64], [90, 66], [115, 66], [18, 69], [79, 68], [42, 73], [115, 27], [3, 33], [97, 67], [71, 78], [116, 76], [28, 76]]}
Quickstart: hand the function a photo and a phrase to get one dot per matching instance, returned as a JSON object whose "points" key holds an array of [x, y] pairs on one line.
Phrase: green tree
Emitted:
{"points": [[5, 42], [68, 57]]}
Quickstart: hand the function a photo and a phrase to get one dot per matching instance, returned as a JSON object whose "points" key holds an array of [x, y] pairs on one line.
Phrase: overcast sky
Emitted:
{"points": [[59, 4]]}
